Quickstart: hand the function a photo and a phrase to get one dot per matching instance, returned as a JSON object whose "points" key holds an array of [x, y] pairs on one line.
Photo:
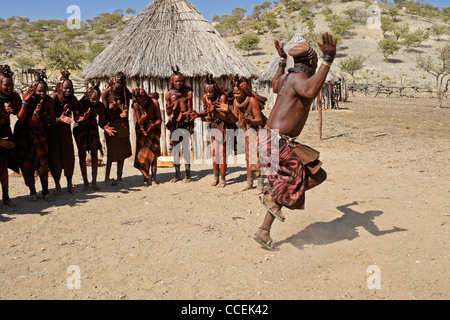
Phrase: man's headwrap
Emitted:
{"points": [[93, 88], [211, 83], [64, 77], [303, 52], [176, 72], [242, 85]]}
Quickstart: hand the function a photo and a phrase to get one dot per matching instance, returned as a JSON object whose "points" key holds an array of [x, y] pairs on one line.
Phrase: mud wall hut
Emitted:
{"points": [[170, 33]]}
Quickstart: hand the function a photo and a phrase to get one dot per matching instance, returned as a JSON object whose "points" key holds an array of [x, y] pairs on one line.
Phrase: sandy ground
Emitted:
{"points": [[385, 204]]}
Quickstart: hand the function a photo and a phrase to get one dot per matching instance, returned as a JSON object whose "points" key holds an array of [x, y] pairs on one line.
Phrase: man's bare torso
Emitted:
{"points": [[291, 111]]}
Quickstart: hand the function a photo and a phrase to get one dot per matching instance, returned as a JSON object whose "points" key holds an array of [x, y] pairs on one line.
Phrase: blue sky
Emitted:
{"points": [[47, 9]]}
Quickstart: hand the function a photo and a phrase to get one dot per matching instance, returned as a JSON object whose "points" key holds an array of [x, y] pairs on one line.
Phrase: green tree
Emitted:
{"points": [[387, 25], [99, 31], [260, 9], [271, 21], [64, 57], [8, 39], [327, 11], [239, 13], [339, 25], [393, 12], [24, 63], [438, 65], [439, 30], [248, 42], [305, 14], [400, 3], [292, 5], [352, 64], [111, 20], [401, 31], [130, 11], [388, 47], [93, 52], [351, 13], [258, 26], [415, 39]]}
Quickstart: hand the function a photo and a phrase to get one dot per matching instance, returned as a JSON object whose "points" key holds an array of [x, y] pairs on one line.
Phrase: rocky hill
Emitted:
{"points": [[400, 67], [31, 43]]}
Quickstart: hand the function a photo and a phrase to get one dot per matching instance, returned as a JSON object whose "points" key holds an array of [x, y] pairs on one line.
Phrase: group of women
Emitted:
{"points": [[42, 142]]}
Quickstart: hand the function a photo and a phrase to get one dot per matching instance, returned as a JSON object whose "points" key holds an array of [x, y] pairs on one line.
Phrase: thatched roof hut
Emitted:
{"points": [[170, 33], [264, 83]]}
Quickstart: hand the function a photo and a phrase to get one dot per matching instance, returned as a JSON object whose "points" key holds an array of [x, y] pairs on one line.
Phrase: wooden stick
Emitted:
{"points": [[319, 106]]}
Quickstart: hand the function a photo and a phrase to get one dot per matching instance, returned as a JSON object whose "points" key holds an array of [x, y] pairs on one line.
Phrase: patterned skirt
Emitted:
{"points": [[252, 150], [287, 169], [148, 148]]}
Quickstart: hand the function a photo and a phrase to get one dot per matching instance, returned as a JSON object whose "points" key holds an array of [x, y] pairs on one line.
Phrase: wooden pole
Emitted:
{"points": [[319, 107]]}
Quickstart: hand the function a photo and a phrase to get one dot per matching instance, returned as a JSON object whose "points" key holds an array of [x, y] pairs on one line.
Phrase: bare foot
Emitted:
{"points": [[86, 187], [47, 197], [58, 191], [248, 187], [187, 180], [72, 190], [95, 187], [9, 203], [215, 182], [222, 184], [176, 179], [111, 182]]}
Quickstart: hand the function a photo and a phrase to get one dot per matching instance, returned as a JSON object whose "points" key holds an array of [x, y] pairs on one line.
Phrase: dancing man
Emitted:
{"points": [[299, 168]]}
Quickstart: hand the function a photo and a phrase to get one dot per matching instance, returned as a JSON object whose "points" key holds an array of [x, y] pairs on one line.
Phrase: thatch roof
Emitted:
{"points": [[269, 73], [168, 33]]}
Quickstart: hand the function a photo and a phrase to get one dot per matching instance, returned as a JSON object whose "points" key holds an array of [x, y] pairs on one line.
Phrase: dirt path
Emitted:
{"points": [[385, 204]]}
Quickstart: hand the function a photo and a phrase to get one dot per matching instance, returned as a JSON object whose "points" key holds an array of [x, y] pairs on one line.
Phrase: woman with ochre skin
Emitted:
{"points": [[10, 103], [86, 132], [30, 135], [61, 149]]}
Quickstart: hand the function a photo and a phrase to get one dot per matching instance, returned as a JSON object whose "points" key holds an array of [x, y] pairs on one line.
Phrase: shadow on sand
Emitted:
{"points": [[343, 228], [130, 184]]}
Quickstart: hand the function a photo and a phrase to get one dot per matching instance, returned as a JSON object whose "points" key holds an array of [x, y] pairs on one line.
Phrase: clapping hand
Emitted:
{"points": [[8, 108], [110, 130], [328, 44], [6, 144], [27, 95], [280, 49]]}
